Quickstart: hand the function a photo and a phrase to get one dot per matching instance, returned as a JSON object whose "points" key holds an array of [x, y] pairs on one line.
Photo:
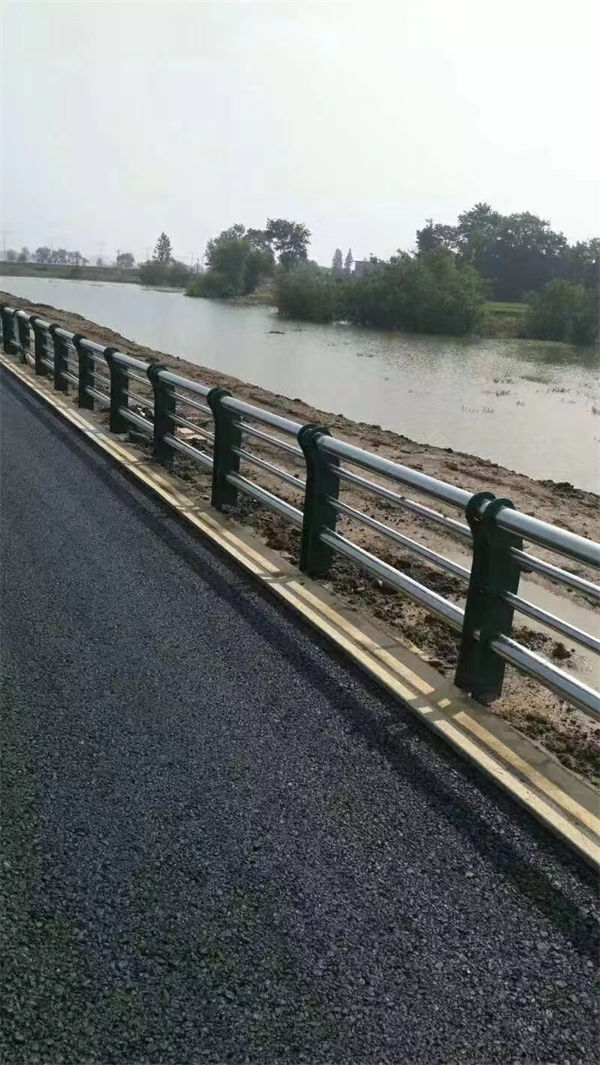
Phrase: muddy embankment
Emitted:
{"points": [[570, 735]]}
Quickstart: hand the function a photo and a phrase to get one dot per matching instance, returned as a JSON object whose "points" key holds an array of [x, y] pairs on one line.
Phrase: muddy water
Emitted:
{"points": [[531, 406]]}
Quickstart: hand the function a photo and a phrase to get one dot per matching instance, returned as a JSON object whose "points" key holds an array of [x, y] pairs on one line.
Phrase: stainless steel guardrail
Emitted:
{"points": [[154, 401]]}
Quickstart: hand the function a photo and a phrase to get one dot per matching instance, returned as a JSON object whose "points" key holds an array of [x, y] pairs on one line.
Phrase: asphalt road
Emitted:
{"points": [[220, 842]]}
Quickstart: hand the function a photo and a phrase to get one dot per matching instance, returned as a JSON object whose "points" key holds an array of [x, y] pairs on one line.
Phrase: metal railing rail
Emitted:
{"points": [[493, 528]]}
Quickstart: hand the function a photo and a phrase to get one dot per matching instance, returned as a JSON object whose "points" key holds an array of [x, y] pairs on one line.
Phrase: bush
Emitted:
{"points": [[178, 275], [428, 294], [153, 272], [563, 311], [300, 293], [174, 274], [211, 285]]}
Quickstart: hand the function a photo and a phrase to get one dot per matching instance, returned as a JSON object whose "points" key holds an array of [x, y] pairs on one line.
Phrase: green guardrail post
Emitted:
{"points": [[39, 347], [24, 334], [85, 373], [9, 339], [164, 409], [493, 571], [119, 383], [319, 515], [60, 346], [228, 436]]}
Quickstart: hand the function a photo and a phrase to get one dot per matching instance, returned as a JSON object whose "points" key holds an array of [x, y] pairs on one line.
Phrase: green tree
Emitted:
{"points": [[583, 263], [260, 240], [436, 236], [290, 240], [226, 256], [348, 262], [517, 253], [337, 261], [126, 259], [563, 311], [237, 260], [11, 255], [163, 251], [43, 255], [24, 255]]}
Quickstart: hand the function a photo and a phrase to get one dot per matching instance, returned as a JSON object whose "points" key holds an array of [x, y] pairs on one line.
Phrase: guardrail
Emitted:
{"points": [[106, 378]]}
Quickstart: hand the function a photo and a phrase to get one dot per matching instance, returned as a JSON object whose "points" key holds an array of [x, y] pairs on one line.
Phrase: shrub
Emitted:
{"points": [[429, 293], [178, 274], [211, 285], [563, 311], [175, 274], [302, 294]]}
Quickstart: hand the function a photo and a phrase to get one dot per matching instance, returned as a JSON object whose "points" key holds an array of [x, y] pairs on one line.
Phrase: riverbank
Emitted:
{"points": [[569, 735], [115, 274], [493, 398]]}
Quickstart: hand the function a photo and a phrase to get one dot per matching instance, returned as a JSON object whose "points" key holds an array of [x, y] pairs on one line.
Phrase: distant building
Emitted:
{"points": [[362, 267]]}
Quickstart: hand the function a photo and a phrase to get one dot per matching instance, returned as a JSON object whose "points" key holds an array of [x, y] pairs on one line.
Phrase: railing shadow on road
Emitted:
{"points": [[441, 785]]}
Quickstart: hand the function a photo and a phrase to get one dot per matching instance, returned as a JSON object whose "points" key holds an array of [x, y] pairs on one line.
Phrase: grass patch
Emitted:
{"points": [[492, 307], [503, 319]]}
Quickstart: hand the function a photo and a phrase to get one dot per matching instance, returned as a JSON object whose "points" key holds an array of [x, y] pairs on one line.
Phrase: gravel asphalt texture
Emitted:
{"points": [[221, 843]]}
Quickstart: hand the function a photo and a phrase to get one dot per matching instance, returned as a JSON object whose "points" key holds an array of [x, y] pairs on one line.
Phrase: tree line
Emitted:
{"points": [[442, 286], [516, 253], [61, 257]]}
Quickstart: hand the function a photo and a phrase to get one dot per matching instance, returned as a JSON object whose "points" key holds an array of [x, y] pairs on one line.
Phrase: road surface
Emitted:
{"points": [[221, 842]]}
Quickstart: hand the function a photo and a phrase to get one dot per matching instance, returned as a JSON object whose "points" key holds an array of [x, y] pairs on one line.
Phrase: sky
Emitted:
{"points": [[361, 120]]}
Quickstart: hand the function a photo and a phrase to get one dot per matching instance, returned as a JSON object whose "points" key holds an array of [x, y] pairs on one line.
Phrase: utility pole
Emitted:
{"points": [[5, 233], [101, 244]]}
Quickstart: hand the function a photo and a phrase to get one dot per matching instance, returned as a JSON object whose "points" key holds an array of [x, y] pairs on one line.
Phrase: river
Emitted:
{"points": [[529, 405]]}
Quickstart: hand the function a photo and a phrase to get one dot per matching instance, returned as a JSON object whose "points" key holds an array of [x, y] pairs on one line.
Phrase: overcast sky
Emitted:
{"points": [[358, 119]]}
